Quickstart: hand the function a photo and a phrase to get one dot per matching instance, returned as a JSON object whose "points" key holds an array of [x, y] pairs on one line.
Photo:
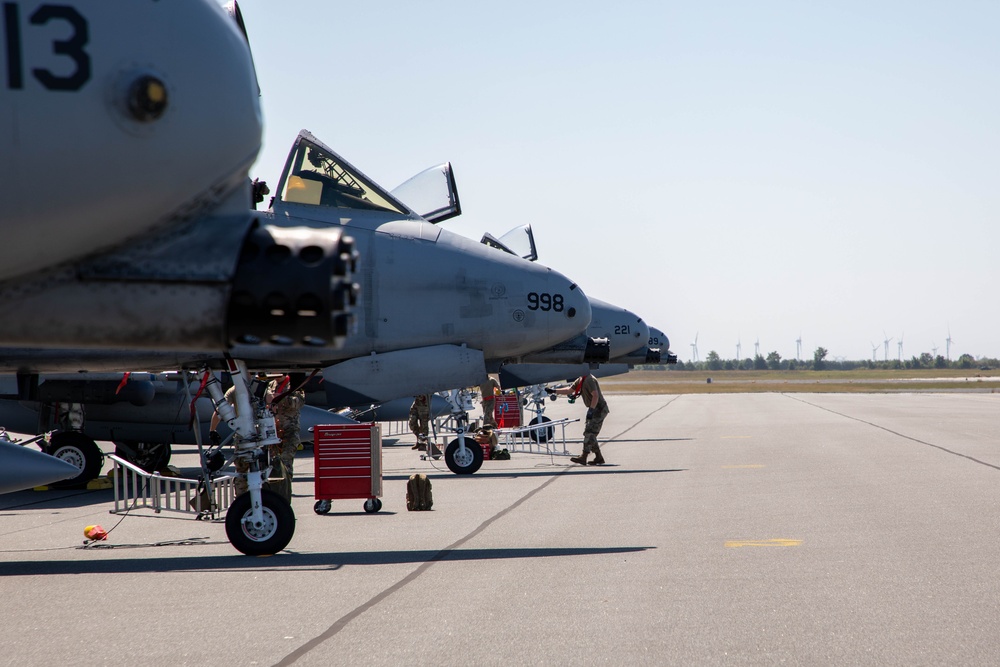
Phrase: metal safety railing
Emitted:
{"points": [[134, 488], [396, 427], [536, 438]]}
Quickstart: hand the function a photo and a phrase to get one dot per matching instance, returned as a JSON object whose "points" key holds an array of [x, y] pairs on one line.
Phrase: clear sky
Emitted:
{"points": [[732, 170]]}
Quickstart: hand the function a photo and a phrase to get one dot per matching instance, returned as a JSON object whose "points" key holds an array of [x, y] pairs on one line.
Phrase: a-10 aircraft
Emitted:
{"points": [[150, 258]]}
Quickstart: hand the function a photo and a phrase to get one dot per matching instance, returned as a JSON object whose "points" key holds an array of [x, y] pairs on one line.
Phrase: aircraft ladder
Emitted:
{"points": [[137, 489], [537, 438]]}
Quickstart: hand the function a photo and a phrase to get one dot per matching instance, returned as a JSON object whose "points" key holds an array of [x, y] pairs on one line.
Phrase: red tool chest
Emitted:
{"points": [[348, 464]]}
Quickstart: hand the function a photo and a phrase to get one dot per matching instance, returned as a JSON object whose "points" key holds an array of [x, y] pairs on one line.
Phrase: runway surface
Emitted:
{"points": [[743, 529]]}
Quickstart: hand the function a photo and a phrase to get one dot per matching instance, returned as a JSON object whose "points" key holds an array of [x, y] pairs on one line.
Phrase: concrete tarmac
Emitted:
{"points": [[742, 529]]}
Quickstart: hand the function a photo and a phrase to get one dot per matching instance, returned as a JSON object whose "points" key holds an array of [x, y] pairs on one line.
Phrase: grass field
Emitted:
{"points": [[856, 381]]}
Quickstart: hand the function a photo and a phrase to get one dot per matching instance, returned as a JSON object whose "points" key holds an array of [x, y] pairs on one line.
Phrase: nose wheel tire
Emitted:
{"points": [[274, 533], [541, 435], [467, 462]]}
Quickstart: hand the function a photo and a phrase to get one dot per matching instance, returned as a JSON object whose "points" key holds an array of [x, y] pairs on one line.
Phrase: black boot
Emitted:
{"points": [[581, 459], [598, 458]]}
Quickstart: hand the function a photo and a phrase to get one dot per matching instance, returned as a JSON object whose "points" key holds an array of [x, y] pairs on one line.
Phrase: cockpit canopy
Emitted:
{"points": [[315, 175], [432, 193], [519, 241]]}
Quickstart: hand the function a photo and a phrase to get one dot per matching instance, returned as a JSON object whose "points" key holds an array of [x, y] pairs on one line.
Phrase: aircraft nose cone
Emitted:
{"points": [[577, 310], [626, 331], [546, 308]]}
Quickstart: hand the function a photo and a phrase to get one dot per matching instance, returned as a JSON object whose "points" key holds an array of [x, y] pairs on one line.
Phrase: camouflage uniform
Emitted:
{"points": [[488, 391], [588, 387], [420, 417], [286, 415]]}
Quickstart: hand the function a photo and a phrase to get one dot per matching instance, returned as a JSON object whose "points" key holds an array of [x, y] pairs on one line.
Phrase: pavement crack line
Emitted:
{"points": [[342, 622], [897, 433]]}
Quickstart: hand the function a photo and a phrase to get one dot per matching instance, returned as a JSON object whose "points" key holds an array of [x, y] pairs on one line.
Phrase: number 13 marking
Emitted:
{"points": [[72, 47]]}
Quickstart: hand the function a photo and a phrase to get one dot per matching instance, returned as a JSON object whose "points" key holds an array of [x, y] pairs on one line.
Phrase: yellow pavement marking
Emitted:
{"points": [[747, 465], [735, 544]]}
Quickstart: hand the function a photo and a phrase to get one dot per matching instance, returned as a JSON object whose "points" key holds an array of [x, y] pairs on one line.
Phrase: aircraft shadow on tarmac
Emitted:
{"points": [[286, 561], [47, 501], [606, 469]]}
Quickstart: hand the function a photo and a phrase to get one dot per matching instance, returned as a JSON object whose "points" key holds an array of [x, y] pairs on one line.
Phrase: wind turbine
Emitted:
{"points": [[694, 348], [934, 349], [756, 349], [887, 341], [874, 351], [947, 346], [738, 348], [899, 345], [798, 347]]}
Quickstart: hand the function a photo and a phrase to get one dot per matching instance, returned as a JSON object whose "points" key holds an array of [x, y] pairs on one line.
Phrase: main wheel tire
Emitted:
{"points": [[269, 539], [150, 456], [80, 450], [541, 435], [465, 464]]}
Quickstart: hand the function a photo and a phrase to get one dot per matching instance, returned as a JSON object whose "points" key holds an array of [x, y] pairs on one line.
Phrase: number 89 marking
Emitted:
{"points": [[545, 301]]}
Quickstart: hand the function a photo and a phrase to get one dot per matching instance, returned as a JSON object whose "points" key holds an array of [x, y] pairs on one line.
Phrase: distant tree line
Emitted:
{"points": [[820, 362]]}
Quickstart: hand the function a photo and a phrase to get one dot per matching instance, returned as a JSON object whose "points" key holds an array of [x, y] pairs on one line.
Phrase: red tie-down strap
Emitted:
{"points": [[197, 395], [121, 385]]}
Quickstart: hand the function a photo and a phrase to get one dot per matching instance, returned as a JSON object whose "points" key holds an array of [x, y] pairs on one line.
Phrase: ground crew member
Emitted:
{"points": [[287, 407], [489, 390], [597, 409], [420, 417]]}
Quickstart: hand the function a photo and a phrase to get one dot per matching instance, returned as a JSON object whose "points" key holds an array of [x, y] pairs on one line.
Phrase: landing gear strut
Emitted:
{"points": [[535, 396], [259, 522], [464, 456]]}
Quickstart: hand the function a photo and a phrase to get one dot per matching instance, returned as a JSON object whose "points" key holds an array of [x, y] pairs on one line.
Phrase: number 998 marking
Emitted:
{"points": [[545, 301]]}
